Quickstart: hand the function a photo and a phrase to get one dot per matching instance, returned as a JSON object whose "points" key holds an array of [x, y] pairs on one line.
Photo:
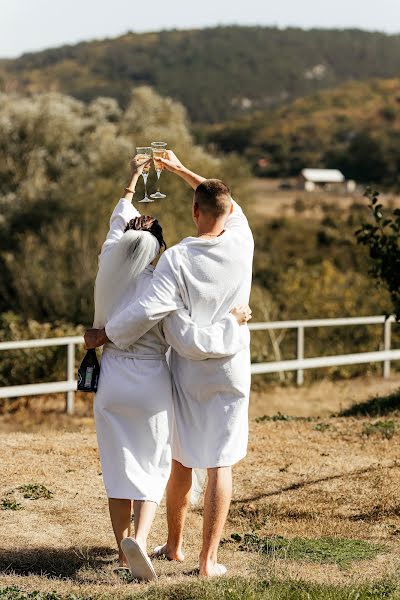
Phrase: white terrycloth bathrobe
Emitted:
{"points": [[208, 278], [133, 406]]}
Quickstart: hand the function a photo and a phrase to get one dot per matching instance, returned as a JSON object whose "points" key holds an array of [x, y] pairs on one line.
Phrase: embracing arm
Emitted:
{"points": [[223, 338], [161, 298]]}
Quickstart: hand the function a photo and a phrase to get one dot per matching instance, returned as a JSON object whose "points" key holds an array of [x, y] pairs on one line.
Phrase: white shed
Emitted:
{"points": [[313, 178]]}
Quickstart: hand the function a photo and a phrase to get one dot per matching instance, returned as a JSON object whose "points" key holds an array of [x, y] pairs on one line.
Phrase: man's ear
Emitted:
{"points": [[231, 208], [195, 209]]}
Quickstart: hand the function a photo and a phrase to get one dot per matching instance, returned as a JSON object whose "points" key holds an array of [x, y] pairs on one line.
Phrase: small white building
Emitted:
{"points": [[313, 179]]}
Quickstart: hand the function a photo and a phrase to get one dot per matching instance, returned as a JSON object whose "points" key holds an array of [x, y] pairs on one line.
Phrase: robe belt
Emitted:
{"points": [[127, 354]]}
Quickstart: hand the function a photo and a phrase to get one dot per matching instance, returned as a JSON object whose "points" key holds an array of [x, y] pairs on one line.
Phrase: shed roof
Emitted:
{"points": [[323, 175]]}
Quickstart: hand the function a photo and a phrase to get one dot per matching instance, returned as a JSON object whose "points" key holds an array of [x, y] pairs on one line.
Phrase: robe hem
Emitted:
{"points": [[138, 497], [219, 463]]}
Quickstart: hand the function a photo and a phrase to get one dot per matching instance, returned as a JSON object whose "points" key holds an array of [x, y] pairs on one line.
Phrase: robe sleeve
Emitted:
{"points": [[162, 297], [238, 223], [122, 214], [224, 338]]}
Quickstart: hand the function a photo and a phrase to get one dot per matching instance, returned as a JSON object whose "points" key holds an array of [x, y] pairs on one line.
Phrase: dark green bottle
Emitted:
{"points": [[88, 372]]}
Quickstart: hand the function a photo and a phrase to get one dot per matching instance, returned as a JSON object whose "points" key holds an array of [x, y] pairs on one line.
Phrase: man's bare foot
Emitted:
{"points": [[212, 570], [165, 552]]}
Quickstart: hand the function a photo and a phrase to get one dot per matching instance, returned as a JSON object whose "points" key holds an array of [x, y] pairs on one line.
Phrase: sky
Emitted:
{"points": [[30, 25]]}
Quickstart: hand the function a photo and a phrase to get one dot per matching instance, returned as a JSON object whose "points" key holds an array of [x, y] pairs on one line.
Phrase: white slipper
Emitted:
{"points": [[159, 551], [139, 563], [219, 570]]}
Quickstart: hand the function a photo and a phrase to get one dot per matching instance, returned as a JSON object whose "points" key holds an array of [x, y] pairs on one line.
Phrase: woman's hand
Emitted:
{"points": [[242, 313], [138, 166]]}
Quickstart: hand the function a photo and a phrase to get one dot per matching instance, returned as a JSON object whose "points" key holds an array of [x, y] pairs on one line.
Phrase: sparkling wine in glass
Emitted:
{"points": [[144, 153], [159, 151]]}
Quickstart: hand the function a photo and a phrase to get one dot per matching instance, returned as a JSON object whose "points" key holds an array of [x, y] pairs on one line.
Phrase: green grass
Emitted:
{"points": [[228, 589], [385, 429], [34, 491], [322, 427], [280, 417], [331, 550], [10, 504]]}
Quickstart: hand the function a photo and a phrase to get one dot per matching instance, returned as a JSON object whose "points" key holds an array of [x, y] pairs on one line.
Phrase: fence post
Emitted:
{"points": [[70, 377], [387, 335], [300, 354]]}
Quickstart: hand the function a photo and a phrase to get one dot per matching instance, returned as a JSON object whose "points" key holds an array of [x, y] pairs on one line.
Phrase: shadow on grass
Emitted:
{"points": [[302, 484], [374, 407], [53, 562]]}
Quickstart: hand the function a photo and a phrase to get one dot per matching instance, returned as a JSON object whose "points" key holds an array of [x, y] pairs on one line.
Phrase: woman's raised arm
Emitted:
{"points": [[124, 211]]}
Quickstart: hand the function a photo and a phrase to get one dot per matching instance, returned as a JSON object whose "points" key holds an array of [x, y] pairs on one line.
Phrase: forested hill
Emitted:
{"points": [[216, 73], [354, 127]]}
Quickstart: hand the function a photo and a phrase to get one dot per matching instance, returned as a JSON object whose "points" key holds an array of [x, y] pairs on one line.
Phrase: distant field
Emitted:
{"points": [[328, 485], [267, 200]]}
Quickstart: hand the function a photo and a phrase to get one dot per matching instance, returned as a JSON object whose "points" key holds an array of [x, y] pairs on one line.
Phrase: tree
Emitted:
{"points": [[382, 237]]}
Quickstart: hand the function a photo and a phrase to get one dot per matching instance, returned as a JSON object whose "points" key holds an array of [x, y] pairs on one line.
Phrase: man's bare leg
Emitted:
{"points": [[143, 515], [120, 513], [216, 506], [178, 498]]}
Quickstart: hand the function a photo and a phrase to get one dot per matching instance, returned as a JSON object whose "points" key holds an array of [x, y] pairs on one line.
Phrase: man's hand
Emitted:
{"points": [[242, 313], [95, 338], [171, 162]]}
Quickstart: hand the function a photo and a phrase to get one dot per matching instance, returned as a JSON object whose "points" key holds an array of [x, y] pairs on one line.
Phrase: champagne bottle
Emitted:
{"points": [[88, 372]]}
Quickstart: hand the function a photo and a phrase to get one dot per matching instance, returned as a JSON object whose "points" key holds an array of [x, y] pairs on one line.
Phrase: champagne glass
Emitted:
{"points": [[144, 153], [159, 151]]}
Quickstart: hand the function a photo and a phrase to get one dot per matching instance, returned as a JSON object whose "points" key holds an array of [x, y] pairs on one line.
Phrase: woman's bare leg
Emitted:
{"points": [[120, 513], [144, 512]]}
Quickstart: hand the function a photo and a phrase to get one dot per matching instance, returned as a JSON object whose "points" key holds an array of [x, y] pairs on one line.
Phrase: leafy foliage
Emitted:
{"points": [[382, 237], [63, 165], [35, 365], [216, 73], [346, 128]]}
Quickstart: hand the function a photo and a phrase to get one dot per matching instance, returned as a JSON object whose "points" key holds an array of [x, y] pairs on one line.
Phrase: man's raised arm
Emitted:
{"points": [[174, 165], [236, 220]]}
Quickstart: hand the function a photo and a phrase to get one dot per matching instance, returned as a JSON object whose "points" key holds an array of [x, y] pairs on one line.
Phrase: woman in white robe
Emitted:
{"points": [[133, 406]]}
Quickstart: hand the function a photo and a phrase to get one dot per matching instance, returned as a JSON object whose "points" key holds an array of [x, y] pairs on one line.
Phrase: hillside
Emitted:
{"points": [[354, 127], [216, 73]]}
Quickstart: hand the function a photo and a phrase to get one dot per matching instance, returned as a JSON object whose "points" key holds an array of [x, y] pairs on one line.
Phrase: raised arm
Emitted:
{"points": [[124, 211], [174, 165], [236, 220], [224, 338], [238, 223]]}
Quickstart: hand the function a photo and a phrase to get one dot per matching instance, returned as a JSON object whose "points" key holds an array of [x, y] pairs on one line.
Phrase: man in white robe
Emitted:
{"points": [[209, 275]]}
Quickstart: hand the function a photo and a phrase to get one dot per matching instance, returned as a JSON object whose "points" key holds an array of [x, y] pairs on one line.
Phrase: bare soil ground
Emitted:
{"points": [[320, 476]]}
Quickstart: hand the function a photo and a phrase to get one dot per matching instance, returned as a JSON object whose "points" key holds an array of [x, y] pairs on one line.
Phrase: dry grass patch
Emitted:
{"points": [[322, 489]]}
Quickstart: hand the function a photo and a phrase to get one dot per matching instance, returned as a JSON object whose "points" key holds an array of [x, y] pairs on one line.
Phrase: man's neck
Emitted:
{"points": [[214, 229]]}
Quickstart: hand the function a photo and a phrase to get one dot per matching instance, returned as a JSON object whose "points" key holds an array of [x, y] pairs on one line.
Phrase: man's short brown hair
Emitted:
{"points": [[213, 197]]}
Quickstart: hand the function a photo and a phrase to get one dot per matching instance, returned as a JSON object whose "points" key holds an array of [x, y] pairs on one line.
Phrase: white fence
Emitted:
{"points": [[385, 356]]}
